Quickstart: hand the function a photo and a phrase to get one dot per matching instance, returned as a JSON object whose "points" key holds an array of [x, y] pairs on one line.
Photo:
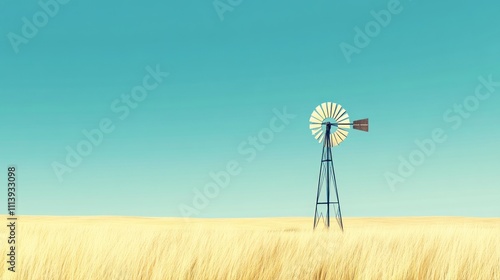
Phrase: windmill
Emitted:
{"points": [[329, 123]]}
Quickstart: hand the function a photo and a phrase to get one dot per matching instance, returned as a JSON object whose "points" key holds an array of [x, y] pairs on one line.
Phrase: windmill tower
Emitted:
{"points": [[329, 123]]}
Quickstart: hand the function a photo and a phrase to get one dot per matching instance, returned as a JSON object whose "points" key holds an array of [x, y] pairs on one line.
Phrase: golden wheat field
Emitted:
{"points": [[274, 248]]}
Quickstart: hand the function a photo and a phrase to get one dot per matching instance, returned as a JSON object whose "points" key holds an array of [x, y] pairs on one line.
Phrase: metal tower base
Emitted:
{"points": [[327, 178]]}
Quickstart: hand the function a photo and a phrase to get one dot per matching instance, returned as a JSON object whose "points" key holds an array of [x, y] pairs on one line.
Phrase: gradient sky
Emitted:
{"points": [[226, 77]]}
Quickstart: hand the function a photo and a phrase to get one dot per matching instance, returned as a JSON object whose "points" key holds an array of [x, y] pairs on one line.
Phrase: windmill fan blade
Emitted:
{"points": [[323, 107], [320, 112], [315, 131], [328, 111], [339, 108], [320, 134], [343, 118], [361, 125], [317, 116], [340, 114], [320, 139], [314, 119], [334, 139], [340, 138], [315, 126], [336, 110], [345, 124], [333, 107], [342, 134]]}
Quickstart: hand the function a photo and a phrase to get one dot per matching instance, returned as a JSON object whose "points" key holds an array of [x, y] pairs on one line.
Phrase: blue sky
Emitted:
{"points": [[225, 79]]}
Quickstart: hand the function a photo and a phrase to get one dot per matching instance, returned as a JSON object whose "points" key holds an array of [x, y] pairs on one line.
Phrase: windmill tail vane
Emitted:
{"points": [[329, 124]]}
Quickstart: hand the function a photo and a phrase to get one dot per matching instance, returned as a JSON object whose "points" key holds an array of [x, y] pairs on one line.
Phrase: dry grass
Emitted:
{"points": [[281, 248]]}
